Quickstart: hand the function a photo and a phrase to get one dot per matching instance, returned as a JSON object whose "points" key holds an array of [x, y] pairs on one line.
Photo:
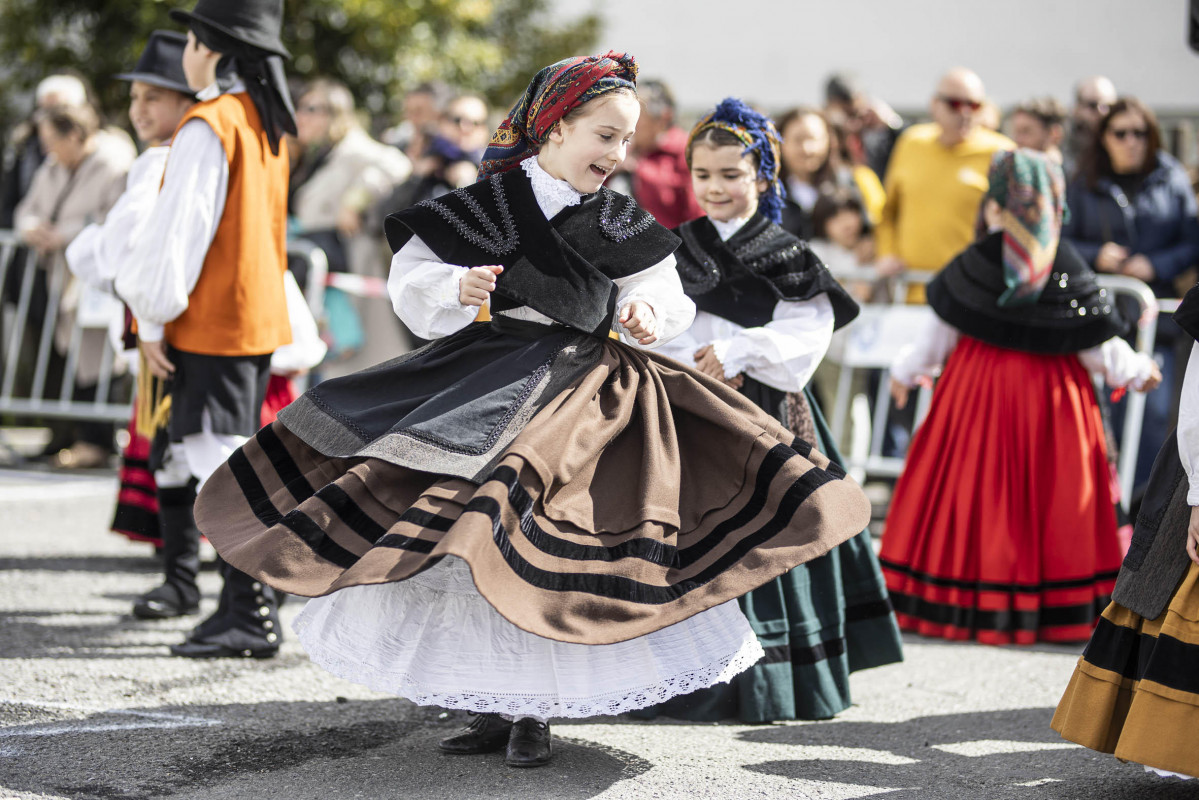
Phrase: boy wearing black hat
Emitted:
{"points": [[206, 285], [158, 98]]}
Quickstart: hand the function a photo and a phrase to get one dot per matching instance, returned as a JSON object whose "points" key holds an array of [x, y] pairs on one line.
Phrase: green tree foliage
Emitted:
{"points": [[380, 48]]}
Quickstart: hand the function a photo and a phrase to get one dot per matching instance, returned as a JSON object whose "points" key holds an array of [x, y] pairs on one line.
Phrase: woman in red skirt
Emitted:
{"points": [[1002, 527]]}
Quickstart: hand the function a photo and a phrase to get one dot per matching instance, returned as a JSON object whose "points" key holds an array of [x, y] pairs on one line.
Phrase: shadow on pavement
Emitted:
{"points": [[368, 749], [98, 564], [998, 755]]}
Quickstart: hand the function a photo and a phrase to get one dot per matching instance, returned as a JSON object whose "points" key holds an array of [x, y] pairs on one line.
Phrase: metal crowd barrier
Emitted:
{"points": [[25, 368], [872, 341]]}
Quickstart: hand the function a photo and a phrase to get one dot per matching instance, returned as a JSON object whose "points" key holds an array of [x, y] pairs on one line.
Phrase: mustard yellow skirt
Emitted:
{"points": [[1135, 691]]}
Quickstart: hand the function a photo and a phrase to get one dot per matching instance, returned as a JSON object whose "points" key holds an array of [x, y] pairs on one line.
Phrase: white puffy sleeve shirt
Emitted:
{"points": [[424, 289], [306, 349], [1114, 360], [101, 250], [166, 261], [782, 354], [1188, 426]]}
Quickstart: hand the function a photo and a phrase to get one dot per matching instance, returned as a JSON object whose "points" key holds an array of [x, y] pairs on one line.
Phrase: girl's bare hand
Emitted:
{"points": [[1153, 381], [1193, 535], [476, 286], [707, 363], [638, 319]]}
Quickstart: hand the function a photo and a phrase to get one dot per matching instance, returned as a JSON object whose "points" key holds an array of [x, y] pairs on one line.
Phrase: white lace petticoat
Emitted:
{"points": [[434, 640]]}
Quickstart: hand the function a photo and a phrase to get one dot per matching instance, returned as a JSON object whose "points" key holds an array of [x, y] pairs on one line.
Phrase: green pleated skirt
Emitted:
{"points": [[817, 623]]}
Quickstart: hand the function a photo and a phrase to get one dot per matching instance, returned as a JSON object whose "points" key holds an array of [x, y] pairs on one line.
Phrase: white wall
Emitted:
{"points": [[779, 53]]}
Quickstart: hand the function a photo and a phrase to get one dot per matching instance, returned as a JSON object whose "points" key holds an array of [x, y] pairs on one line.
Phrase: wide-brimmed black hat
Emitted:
{"points": [[161, 63], [1071, 314], [253, 22]]}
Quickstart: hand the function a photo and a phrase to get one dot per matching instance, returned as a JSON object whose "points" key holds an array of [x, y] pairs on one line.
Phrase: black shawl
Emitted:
{"points": [[757, 267], [1072, 313], [562, 267]]}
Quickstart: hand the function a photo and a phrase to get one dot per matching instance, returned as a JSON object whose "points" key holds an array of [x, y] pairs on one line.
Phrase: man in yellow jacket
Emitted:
{"points": [[936, 180]]}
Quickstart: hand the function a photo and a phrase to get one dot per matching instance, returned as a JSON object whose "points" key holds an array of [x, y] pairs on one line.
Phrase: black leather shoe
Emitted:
{"points": [[165, 602], [198, 649], [486, 733], [529, 744]]}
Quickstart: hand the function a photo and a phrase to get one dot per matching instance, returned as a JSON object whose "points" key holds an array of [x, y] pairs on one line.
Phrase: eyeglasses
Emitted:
{"points": [[1095, 105], [1139, 134], [956, 104], [467, 122]]}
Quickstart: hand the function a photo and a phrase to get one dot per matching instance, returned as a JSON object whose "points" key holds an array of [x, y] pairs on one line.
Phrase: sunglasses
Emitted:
{"points": [[467, 121], [956, 104], [1093, 105], [1138, 134]]}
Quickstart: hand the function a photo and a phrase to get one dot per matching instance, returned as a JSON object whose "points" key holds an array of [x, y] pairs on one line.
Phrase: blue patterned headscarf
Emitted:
{"points": [[760, 138], [554, 92]]}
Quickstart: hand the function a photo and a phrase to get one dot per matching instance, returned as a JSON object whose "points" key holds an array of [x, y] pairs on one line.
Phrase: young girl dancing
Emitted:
{"points": [[528, 519], [1002, 527], [1135, 691], [767, 310]]}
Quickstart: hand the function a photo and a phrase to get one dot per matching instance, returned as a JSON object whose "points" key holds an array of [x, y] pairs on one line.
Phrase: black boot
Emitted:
{"points": [[215, 622], [529, 744], [179, 594], [486, 733], [246, 624]]}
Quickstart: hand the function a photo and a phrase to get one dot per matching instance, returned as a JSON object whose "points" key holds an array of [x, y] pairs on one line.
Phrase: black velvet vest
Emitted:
{"points": [[743, 279], [562, 267]]}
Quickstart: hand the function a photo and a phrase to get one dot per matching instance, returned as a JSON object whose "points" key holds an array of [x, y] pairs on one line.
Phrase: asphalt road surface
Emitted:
{"points": [[92, 706]]}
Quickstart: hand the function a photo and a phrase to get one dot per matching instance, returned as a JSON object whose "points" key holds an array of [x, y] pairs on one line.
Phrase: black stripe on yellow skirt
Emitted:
{"points": [[1139, 656], [993, 586], [998, 620]]}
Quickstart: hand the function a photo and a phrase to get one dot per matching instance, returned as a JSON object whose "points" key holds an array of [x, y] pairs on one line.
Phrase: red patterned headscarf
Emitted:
{"points": [[554, 92]]}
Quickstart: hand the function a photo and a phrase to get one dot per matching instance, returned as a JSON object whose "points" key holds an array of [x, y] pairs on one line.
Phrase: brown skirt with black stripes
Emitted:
{"points": [[639, 495]]}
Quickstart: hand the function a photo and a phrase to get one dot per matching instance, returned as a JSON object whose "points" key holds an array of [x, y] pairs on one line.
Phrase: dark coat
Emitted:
{"points": [[1158, 222]]}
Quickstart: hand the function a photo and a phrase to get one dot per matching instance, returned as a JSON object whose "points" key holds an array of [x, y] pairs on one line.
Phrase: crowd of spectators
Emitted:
{"points": [[870, 190]]}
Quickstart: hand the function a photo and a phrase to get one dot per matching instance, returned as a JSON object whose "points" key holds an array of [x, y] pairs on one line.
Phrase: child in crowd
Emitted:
{"points": [[1002, 527], [158, 98], [205, 283], [1134, 692], [767, 310], [842, 238], [527, 518]]}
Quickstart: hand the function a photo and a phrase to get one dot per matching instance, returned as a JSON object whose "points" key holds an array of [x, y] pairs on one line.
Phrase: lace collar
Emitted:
{"points": [[552, 194], [727, 229]]}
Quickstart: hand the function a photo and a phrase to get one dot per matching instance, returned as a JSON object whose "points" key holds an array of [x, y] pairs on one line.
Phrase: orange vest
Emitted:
{"points": [[238, 307]]}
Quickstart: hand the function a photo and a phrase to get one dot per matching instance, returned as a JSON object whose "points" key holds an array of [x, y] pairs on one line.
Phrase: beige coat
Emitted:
{"points": [[71, 201], [358, 173]]}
